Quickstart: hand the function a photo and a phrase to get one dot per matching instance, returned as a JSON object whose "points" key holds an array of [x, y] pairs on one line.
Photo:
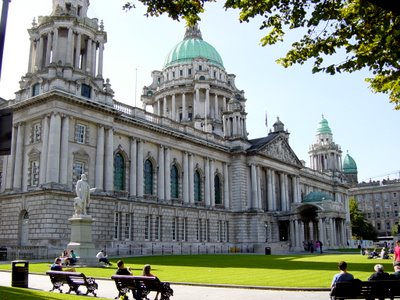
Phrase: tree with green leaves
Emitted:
{"points": [[365, 32], [361, 229]]}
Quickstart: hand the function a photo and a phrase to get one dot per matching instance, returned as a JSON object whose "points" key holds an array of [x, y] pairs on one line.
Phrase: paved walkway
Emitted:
{"points": [[107, 289]]}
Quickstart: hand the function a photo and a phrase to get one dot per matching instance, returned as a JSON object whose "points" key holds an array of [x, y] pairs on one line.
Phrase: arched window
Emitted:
{"points": [[119, 172], [148, 177], [197, 186], [174, 182], [217, 190]]}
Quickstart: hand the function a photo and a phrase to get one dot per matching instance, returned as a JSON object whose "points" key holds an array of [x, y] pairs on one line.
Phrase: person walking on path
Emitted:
{"points": [[396, 253]]}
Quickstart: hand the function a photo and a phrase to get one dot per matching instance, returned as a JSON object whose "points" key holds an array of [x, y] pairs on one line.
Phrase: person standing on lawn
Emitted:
{"points": [[396, 252]]}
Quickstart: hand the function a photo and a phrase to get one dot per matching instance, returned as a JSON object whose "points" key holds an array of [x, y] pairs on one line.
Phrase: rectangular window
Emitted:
{"points": [[387, 226], [184, 229], [86, 91], [174, 228], [117, 225], [181, 73], [36, 132], [189, 72], [34, 173], [200, 67], [129, 226], [396, 213], [369, 215], [147, 228], [388, 214], [80, 133], [378, 226], [78, 170], [378, 215], [158, 228]]}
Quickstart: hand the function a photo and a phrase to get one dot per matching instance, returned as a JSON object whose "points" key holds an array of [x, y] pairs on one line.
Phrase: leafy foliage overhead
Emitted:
{"points": [[366, 31]]}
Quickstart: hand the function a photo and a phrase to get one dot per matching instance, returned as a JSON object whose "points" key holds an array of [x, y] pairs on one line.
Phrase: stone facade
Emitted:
{"points": [[178, 176]]}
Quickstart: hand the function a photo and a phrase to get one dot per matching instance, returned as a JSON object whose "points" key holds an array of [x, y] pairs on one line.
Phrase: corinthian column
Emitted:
{"points": [[99, 177], [132, 169], [19, 157], [64, 150], [167, 176], [109, 160], [53, 158], [161, 174], [140, 171]]}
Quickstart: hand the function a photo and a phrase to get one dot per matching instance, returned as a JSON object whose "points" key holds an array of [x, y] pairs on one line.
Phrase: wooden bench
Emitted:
{"points": [[74, 281], [357, 289], [141, 286]]}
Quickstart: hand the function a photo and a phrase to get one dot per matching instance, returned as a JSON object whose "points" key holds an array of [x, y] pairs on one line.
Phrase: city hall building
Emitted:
{"points": [[176, 176]]}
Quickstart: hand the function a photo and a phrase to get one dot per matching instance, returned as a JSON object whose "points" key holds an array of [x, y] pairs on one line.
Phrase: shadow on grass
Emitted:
{"points": [[281, 262]]}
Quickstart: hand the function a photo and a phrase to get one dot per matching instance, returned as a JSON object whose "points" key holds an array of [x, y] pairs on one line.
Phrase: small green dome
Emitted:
{"points": [[316, 197], [193, 47], [323, 127], [349, 165]]}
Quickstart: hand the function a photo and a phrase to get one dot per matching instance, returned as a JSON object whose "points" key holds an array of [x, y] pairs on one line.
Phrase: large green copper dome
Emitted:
{"points": [[349, 165], [323, 127], [193, 47]]}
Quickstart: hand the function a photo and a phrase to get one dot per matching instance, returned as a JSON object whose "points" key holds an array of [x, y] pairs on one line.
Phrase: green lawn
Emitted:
{"points": [[8, 293], [259, 270]]}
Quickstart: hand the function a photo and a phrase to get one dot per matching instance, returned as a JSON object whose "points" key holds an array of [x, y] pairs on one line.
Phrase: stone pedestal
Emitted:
{"points": [[81, 240]]}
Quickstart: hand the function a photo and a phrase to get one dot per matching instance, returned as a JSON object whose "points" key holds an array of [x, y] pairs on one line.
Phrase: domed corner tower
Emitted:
{"points": [[325, 155], [193, 87], [350, 170], [66, 54]]}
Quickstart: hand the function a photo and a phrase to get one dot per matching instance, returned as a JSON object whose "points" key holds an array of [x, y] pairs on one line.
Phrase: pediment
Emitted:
{"points": [[279, 149]]}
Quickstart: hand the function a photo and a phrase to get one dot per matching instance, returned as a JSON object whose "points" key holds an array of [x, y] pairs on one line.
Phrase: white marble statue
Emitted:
{"points": [[83, 190]]}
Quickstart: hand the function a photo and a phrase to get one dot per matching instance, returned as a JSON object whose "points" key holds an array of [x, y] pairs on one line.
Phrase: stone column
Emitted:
{"points": [[53, 158], [191, 179], [48, 49], [99, 174], [212, 185], [94, 58], [184, 109], [296, 233], [54, 57], [185, 176], [140, 171], [64, 150], [332, 237], [292, 234], [31, 56], [88, 68], [259, 202], [43, 154], [100, 64], [78, 51], [19, 157], [226, 186], [321, 231], [167, 176], [282, 190], [216, 112], [109, 160], [165, 113], [207, 104], [39, 53], [254, 194], [196, 103], [70, 48], [161, 173], [133, 167], [269, 189], [173, 108], [273, 193], [159, 107], [207, 182]]}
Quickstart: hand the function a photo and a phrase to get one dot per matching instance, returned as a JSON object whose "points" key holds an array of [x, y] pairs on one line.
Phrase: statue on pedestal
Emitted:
{"points": [[81, 203]]}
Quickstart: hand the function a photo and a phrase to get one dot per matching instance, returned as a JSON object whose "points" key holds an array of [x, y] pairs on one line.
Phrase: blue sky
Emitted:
{"points": [[363, 123]]}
